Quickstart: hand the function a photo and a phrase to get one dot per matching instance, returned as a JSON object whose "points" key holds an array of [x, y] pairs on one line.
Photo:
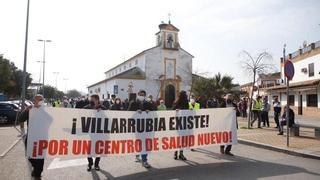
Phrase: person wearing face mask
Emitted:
{"points": [[141, 104], [180, 104], [226, 104], [162, 106], [94, 104], [117, 105], [151, 102], [37, 164]]}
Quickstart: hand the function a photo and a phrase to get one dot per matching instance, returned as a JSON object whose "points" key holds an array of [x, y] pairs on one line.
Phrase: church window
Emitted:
{"points": [[124, 67], [170, 41], [130, 65], [136, 62]]}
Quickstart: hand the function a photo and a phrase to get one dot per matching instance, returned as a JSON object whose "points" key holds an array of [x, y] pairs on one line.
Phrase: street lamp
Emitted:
{"points": [[44, 60], [65, 79], [24, 79], [56, 73], [39, 74]]}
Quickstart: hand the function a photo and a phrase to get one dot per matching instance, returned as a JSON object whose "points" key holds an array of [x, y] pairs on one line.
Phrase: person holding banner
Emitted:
{"points": [[37, 164], [181, 103], [227, 103], [141, 104], [94, 104]]}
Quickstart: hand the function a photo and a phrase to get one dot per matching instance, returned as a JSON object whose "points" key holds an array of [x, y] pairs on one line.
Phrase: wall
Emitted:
{"points": [[300, 76]]}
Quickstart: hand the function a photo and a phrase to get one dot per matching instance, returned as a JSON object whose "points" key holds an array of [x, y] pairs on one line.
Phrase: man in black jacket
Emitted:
{"points": [[227, 103], [141, 104], [94, 104], [37, 164], [284, 121]]}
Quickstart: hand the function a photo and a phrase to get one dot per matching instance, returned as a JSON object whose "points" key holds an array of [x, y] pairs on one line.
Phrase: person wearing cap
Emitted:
{"points": [[37, 164], [256, 110]]}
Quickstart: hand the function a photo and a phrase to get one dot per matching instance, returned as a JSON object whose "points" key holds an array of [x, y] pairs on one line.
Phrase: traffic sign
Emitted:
{"points": [[289, 69]]}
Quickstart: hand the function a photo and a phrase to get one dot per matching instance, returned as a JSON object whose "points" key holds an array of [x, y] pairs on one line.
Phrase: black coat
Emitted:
{"points": [[291, 116]]}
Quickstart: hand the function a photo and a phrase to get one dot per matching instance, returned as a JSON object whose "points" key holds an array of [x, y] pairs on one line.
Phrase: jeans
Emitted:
{"points": [[276, 118], [96, 161], [256, 115], [265, 118], [37, 165]]}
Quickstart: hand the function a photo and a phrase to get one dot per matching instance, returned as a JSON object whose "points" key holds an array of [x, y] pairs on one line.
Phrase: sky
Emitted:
{"points": [[91, 36]]}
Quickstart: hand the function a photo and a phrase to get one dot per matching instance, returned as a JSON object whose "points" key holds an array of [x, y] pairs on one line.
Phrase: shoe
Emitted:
{"points": [[229, 153], [222, 150], [138, 158], [280, 133], [89, 168], [181, 157], [175, 155], [97, 168], [193, 150], [146, 164]]}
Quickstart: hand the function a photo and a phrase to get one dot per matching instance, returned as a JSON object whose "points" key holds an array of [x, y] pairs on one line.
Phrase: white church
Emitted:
{"points": [[161, 71]]}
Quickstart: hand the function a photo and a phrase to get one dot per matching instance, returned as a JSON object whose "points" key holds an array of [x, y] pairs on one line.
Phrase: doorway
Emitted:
{"points": [[170, 95], [300, 105]]}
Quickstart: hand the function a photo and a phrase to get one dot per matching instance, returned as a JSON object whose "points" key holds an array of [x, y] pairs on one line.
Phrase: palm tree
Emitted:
{"points": [[216, 86]]}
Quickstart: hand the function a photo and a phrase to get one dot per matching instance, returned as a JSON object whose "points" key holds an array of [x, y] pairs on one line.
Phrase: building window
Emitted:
{"points": [[312, 100], [170, 41], [136, 62], [311, 69], [115, 89], [90, 91], [124, 67], [291, 100], [130, 65]]}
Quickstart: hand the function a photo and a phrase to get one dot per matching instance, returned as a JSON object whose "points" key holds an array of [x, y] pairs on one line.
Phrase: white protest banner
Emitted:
{"points": [[66, 132]]}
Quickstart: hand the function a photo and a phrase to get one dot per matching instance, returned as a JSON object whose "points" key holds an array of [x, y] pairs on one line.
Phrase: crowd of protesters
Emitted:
{"points": [[143, 102]]}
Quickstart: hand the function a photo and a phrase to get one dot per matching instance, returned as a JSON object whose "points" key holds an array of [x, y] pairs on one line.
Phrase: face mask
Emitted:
{"points": [[148, 99], [140, 98], [41, 103], [192, 101]]}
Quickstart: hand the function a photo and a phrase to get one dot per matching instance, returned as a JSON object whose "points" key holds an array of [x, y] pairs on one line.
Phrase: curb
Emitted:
{"points": [[278, 149]]}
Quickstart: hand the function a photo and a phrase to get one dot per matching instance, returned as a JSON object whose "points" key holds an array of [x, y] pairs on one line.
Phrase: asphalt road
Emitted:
{"points": [[206, 163]]}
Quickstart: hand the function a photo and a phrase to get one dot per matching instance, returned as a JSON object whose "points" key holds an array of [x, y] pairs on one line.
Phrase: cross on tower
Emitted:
{"points": [[169, 17]]}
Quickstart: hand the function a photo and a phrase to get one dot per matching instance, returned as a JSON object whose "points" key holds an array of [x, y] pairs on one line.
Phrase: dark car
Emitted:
{"points": [[8, 112]]}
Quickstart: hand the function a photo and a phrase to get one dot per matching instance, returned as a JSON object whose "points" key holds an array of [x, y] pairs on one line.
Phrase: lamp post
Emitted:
{"points": [[65, 79], [56, 73], [44, 61], [24, 79], [39, 74]]}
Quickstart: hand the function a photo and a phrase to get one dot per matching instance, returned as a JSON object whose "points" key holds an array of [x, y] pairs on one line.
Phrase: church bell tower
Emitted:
{"points": [[167, 37]]}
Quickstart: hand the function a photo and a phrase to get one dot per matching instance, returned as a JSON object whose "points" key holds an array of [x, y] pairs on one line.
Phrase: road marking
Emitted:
{"points": [[10, 147], [56, 163]]}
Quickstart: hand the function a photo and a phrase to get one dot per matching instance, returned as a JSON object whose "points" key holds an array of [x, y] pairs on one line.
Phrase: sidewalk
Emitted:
{"points": [[305, 145]]}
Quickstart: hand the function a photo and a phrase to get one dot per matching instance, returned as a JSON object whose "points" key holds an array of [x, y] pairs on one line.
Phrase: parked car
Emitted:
{"points": [[8, 112]]}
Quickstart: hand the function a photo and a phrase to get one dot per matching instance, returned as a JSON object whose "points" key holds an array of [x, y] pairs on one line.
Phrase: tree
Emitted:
{"points": [[51, 92], [216, 86], [73, 93], [11, 78], [255, 66]]}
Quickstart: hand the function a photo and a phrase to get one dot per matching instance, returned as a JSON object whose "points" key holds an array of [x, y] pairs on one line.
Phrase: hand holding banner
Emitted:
{"points": [[63, 132]]}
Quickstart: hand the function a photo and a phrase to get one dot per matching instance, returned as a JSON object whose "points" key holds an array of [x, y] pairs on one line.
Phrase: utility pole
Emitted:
{"points": [[24, 79], [44, 61]]}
